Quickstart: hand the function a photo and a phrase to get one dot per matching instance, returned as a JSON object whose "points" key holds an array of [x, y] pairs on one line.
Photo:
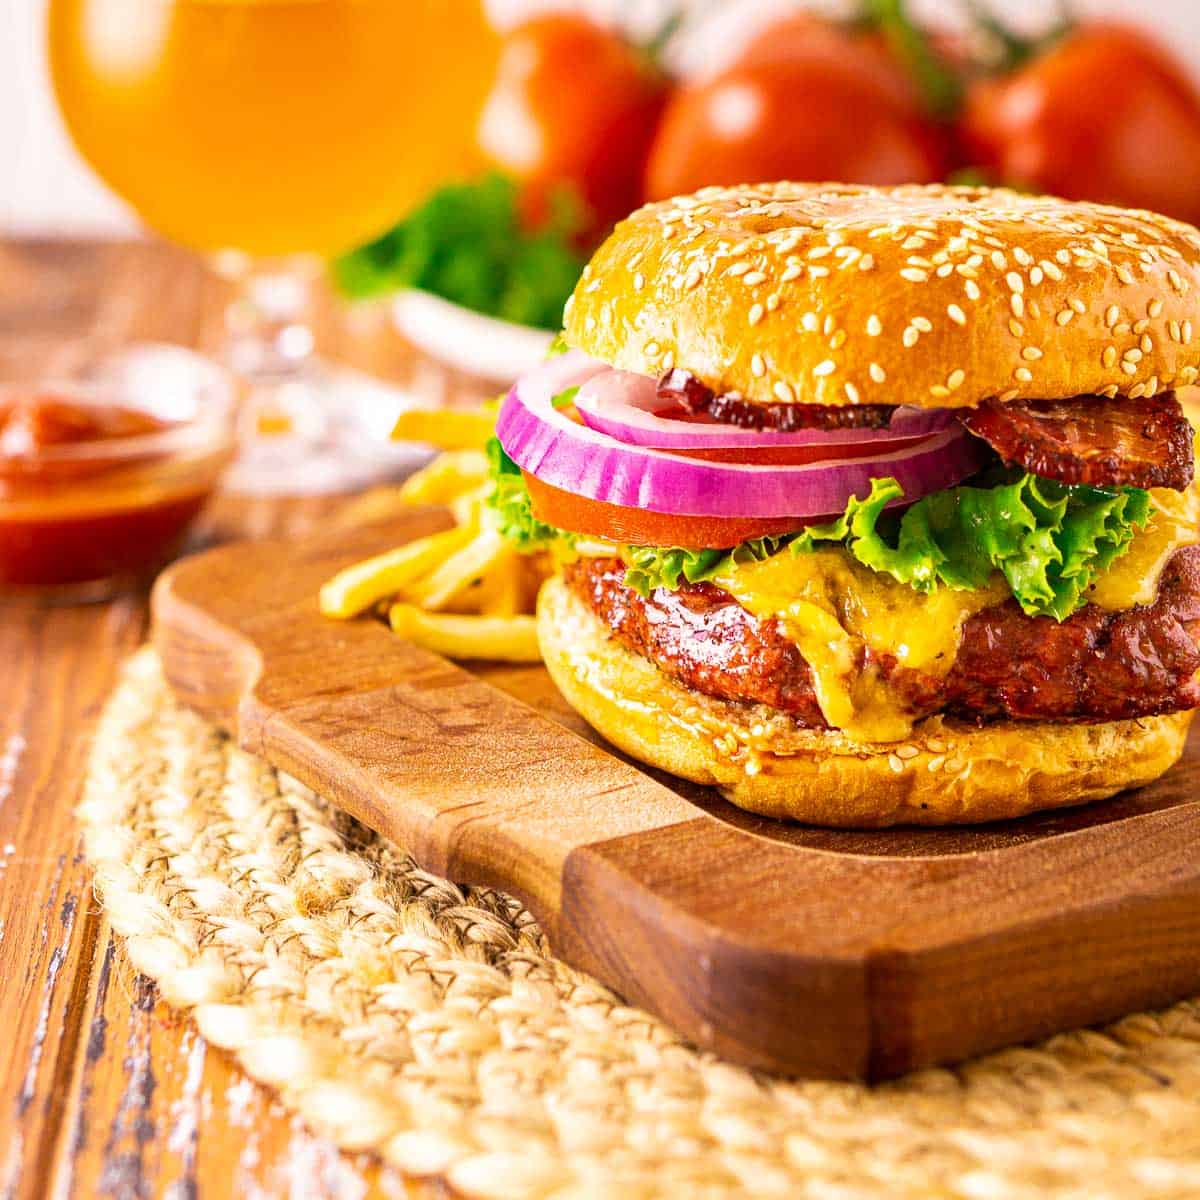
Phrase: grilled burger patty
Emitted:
{"points": [[1095, 666]]}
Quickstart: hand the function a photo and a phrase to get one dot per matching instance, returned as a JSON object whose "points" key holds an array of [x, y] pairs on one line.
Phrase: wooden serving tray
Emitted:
{"points": [[776, 945]]}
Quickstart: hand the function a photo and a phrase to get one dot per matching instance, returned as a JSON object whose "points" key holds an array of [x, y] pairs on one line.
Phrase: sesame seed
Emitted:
{"points": [[838, 340], [827, 325], [944, 270], [1147, 343], [1010, 394], [738, 268], [1015, 282], [913, 275], [1109, 392], [1140, 327], [1133, 355], [1052, 272], [1186, 332], [1032, 353], [877, 373], [1064, 316], [1175, 330], [1017, 305], [1035, 276], [955, 379], [999, 261], [1015, 327], [956, 314], [639, 282], [1129, 368], [866, 262], [1109, 357], [819, 251], [825, 367], [773, 302], [818, 272], [693, 278], [907, 752], [874, 326], [1078, 305], [1024, 374], [1112, 314], [851, 393], [793, 272], [756, 314], [753, 278], [924, 324], [896, 763], [972, 289], [783, 391], [758, 366], [909, 337], [1138, 390], [1124, 274], [936, 745], [809, 322], [1154, 308]]}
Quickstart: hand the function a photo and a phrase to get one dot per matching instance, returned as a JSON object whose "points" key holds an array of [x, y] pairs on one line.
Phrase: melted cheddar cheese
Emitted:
{"points": [[834, 608]]}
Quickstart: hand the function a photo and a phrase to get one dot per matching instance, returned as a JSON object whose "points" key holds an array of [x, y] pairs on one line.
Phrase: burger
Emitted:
{"points": [[872, 505]]}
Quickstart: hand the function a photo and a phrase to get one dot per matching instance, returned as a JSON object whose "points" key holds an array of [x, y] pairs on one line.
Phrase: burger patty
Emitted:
{"points": [[1095, 666]]}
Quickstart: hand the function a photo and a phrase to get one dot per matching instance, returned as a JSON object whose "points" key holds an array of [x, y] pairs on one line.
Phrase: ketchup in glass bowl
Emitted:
{"points": [[100, 479]]}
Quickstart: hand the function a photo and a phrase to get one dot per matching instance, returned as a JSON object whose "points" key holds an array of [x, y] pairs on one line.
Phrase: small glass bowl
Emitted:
{"points": [[81, 521]]}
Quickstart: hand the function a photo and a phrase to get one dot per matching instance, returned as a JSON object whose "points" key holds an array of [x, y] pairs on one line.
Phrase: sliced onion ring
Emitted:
{"points": [[575, 458], [627, 406]]}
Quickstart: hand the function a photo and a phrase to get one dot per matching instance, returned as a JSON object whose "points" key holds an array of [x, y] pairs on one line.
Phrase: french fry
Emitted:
{"points": [[446, 428], [450, 578], [505, 639], [449, 476], [355, 589], [467, 508]]}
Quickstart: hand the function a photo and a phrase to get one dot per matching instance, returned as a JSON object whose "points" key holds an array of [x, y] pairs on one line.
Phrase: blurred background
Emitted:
{"points": [[46, 188]]}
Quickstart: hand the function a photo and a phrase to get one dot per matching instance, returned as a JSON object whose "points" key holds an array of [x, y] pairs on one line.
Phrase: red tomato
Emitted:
{"points": [[806, 35], [1104, 115], [572, 106], [813, 118], [636, 527]]}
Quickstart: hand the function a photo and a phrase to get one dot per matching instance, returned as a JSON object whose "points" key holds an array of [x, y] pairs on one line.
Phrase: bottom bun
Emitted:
{"points": [[947, 773]]}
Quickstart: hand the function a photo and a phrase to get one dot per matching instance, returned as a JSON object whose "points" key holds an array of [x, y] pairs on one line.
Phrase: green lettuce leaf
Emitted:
{"points": [[1049, 540], [652, 566], [510, 501], [466, 243]]}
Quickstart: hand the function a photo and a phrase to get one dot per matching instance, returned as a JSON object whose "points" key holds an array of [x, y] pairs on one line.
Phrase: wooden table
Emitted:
{"points": [[106, 1092]]}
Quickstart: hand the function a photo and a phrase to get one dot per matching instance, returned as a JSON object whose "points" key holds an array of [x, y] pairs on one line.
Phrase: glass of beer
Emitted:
{"points": [[272, 134]]}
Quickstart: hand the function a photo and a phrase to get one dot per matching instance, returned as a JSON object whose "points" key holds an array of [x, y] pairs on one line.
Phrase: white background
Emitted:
{"points": [[44, 187]]}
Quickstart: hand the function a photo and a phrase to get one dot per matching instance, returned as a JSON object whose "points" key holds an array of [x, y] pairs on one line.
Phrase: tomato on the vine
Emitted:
{"points": [[808, 118], [1105, 114], [573, 109]]}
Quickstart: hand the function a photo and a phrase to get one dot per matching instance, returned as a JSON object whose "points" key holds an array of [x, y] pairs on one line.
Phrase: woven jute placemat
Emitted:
{"points": [[400, 1013]]}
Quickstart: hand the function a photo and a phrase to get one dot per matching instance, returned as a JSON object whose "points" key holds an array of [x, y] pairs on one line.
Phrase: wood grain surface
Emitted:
{"points": [[753, 938], [103, 1091]]}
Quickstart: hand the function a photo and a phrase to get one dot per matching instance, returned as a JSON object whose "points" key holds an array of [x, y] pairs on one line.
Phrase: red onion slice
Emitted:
{"points": [[627, 406], [588, 462]]}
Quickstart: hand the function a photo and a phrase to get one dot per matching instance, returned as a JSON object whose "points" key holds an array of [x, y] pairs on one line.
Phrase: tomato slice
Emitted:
{"points": [[637, 527]]}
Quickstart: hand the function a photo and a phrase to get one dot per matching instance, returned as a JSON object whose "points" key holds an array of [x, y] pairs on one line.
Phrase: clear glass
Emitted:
{"points": [[271, 134]]}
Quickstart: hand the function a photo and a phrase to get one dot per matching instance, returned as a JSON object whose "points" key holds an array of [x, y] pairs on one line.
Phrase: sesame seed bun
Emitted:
{"points": [[947, 773], [934, 296]]}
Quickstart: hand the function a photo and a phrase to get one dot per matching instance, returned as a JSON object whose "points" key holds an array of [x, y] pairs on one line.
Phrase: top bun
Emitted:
{"points": [[935, 296]]}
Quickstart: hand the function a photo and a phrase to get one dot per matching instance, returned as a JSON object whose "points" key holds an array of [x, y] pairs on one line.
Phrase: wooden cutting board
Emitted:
{"points": [[779, 946]]}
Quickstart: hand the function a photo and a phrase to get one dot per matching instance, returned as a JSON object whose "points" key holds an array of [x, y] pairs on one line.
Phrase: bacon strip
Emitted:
{"points": [[1141, 443], [685, 390]]}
